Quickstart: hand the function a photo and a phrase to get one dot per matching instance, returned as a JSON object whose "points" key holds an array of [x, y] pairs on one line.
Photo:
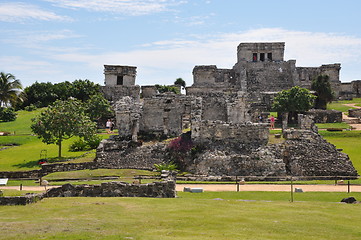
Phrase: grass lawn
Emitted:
{"points": [[339, 105], [25, 156], [333, 125], [191, 216]]}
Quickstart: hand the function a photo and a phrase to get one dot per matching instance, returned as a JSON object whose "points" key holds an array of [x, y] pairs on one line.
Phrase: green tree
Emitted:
{"points": [[293, 101], [165, 88], [180, 82], [98, 107], [321, 85], [84, 89], [40, 94], [62, 120], [10, 89]]}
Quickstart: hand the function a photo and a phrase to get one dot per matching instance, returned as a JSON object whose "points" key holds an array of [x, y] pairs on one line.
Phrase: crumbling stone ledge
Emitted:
{"points": [[164, 189], [22, 200]]}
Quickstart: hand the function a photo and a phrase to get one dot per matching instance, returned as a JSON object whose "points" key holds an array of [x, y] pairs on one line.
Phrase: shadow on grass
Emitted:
{"points": [[35, 163]]}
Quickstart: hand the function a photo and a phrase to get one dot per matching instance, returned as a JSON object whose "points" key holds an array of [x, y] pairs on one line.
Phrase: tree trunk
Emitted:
{"points": [[59, 150]]}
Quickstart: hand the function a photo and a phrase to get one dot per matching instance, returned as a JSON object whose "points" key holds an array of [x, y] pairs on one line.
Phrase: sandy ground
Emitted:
{"points": [[233, 187]]}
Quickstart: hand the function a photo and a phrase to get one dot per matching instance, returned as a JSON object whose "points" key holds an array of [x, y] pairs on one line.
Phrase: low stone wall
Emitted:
{"points": [[33, 174], [165, 189], [354, 113], [325, 116], [255, 134], [21, 200], [48, 168], [65, 167]]}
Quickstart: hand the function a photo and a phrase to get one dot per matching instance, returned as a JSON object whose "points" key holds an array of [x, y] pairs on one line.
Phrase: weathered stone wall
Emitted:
{"points": [[165, 189], [246, 51], [354, 113], [255, 134], [325, 116], [226, 105], [207, 76], [33, 174], [115, 93], [126, 74], [165, 114], [149, 91], [306, 153], [266, 76], [21, 200], [127, 154], [128, 113]]}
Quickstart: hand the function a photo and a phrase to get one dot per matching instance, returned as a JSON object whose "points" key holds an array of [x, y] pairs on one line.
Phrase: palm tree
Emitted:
{"points": [[9, 89]]}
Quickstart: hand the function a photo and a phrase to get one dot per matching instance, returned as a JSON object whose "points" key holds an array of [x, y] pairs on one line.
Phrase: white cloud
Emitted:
{"points": [[163, 61], [128, 7], [21, 12]]}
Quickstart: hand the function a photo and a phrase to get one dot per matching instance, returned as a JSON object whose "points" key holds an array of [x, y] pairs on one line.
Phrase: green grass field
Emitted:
{"points": [[339, 105], [26, 156], [215, 215]]}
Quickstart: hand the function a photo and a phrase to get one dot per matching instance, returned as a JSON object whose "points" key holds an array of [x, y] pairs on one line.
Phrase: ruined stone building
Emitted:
{"points": [[222, 109]]}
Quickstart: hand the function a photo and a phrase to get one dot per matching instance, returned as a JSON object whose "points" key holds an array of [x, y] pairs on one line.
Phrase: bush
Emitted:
{"points": [[30, 108], [78, 145], [84, 145], [7, 114], [94, 141]]}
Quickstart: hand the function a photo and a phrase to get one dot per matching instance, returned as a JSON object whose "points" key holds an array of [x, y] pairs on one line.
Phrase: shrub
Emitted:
{"points": [[181, 144], [171, 166], [30, 108], [84, 145], [7, 114], [78, 145], [93, 141]]}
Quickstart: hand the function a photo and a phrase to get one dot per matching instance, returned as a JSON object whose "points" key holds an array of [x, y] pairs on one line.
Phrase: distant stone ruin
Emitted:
{"points": [[226, 110]]}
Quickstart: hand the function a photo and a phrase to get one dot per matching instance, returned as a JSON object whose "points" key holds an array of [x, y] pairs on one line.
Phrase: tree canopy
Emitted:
{"points": [[293, 100], [10, 89], [180, 82], [43, 94], [321, 85], [62, 120]]}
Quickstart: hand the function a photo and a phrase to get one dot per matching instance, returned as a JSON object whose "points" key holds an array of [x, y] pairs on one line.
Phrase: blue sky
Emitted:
{"points": [[64, 40]]}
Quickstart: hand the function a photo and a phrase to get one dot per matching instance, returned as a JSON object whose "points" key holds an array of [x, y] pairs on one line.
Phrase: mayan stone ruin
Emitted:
{"points": [[222, 109]]}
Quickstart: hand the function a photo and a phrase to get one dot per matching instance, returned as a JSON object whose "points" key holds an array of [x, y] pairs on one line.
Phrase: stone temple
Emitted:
{"points": [[222, 109]]}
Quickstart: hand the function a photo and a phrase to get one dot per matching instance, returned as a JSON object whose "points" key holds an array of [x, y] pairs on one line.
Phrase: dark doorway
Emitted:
{"points": [[254, 57], [269, 56], [119, 80], [261, 57]]}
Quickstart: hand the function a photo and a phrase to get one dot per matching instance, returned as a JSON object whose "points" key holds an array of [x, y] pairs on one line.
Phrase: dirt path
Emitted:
{"points": [[233, 187], [350, 120], [270, 187]]}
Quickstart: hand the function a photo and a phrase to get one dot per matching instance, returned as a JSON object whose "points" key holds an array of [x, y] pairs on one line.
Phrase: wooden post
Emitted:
{"points": [[291, 189]]}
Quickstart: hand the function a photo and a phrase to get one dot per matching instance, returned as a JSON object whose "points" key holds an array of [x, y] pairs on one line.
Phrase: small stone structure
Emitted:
{"points": [[354, 113], [325, 116]]}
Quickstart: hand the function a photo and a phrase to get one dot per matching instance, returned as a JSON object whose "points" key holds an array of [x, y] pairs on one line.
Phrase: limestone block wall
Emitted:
{"points": [[266, 76], [354, 113], [325, 116], [128, 155], [119, 75], [114, 93], [255, 134], [165, 189], [246, 51], [165, 114], [211, 76], [306, 153]]}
